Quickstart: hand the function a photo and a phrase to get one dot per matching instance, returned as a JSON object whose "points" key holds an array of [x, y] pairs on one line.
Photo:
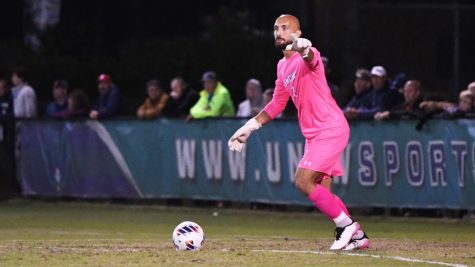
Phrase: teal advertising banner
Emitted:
{"points": [[387, 164]]}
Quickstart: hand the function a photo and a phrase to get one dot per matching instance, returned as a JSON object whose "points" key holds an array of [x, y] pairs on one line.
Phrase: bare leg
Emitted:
{"points": [[327, 183], [306, 180]]}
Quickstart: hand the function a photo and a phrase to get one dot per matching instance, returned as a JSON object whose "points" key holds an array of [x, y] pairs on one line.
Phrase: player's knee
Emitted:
{"points": [[304, 185]]}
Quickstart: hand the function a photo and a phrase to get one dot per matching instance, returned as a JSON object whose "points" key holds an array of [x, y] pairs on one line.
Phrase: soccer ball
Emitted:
{"points": [[188, 236]]}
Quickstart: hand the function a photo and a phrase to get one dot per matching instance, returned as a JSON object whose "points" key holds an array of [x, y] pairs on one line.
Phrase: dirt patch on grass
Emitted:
{"points": [[224, 249]]}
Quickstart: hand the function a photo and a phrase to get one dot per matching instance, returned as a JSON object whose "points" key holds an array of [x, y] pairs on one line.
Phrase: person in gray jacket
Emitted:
{"points": [[24, 97]]}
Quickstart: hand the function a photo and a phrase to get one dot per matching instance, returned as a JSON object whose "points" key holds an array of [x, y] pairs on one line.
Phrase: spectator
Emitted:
{"points": [[381, 97], [78, 105], [410, 108], [398, 83], [59, 106], [24, 97], [451, 110], [214, 101], [429, 110], [182, 98], [464, 108], [361, 98], [267, 97], [397, 86], [471, 87], [110, 100], [155, 103], [253, 104], [6, 100]]}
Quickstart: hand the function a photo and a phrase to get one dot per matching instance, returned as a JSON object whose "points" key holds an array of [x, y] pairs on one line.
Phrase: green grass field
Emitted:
{"points": [[35, 233]]}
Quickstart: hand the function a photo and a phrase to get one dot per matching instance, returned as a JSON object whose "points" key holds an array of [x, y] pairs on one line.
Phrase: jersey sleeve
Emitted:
{"points": [[315, 62], [279, 100]]}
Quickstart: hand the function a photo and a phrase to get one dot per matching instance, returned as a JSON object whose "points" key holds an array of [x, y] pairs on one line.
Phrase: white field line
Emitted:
{"points": [[315, 252], [397, 258], [65, 240]]}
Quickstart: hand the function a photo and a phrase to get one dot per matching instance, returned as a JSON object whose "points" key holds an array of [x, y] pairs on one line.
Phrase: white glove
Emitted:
{"points": [[300, 45], [236, 142]]}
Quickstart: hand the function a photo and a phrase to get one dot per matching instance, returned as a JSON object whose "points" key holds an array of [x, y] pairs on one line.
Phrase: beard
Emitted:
{"points": [[280, 43]]}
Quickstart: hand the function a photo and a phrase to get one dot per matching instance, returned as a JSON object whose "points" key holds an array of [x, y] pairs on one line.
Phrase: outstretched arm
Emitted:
{"points": [[239, 138], [263, 118], [274, 108], [302, 46]]}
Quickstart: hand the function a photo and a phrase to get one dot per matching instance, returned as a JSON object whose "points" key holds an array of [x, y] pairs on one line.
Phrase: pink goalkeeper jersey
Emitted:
{"points": [[319, 115]]}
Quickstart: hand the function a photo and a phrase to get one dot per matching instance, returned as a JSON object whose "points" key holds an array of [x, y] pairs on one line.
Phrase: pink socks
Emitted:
{"points": [[330, 205], [326, 202], [342, 206]]}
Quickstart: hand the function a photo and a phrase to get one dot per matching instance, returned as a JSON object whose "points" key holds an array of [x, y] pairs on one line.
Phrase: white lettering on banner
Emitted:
{"points": [[213, 158], [257, 175], [185, 158], [273, 162], [367, 174], [391, 161], [237, 164], [295, 153], [459, 150], [437, 163], [345, 161], [414, 163]]}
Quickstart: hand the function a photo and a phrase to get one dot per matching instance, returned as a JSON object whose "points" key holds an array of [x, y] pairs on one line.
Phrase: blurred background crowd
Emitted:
{"points": [[375, 96]]}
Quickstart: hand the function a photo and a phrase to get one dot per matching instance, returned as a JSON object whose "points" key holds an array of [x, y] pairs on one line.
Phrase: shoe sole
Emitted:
{"points": [[364, 245]]}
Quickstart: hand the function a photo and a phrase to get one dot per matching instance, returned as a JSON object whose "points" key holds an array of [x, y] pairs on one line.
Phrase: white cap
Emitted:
{"points": [[378, 71]]}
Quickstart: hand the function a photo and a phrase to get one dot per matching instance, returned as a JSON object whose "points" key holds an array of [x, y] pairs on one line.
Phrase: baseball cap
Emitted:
{"points": [[378, 71], [209, 75], [104, 78], [399, 81], [363, 74]]}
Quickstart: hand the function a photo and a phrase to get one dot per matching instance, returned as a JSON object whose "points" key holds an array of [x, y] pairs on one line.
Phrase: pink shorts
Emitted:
{"points": [[324, 154]]}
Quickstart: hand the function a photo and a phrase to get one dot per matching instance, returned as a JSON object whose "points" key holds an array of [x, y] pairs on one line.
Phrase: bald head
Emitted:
{"points": [[291, 20], [412, 91], [414, 83], [284, 26], [471, 87]]}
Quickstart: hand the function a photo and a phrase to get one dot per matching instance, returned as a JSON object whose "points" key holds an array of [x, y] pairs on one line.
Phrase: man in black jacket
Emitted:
{"points": [[182, 98], [410, 108]]}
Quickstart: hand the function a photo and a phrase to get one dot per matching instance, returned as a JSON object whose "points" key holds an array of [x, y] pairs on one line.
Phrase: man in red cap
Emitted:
{"points": [[110, 100]]}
